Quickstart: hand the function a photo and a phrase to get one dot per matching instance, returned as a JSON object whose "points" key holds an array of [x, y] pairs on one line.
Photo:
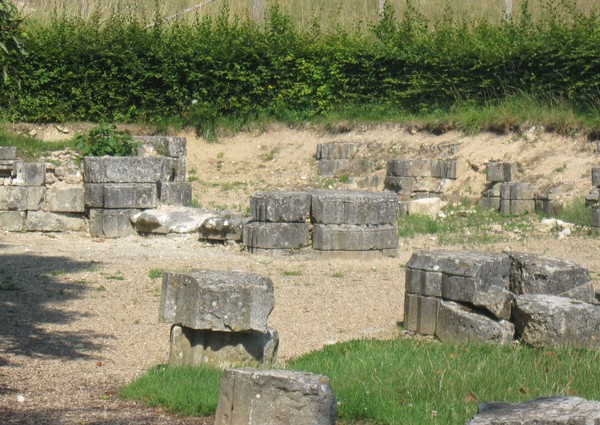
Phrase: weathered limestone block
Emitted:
{"points": [[522, 191], [331, 167], [276, 235], [12, 221], [336, 150], [426, 206], [494, 191], [22, 198], [111, 223], [500, 171], [169, 219], [223, 228], [62, 198], [347, 237], [280, 207], [410, 168], [548, 410], [7, 167], [192, 347], [175, 147], [217, 301], [444, 168], [596, 217], [354, 207], [29, 174], [596, 176], [593, 195], [547, 320], [535, 274], [420, 313], [521, 207], [119, 196], [489, 203], [120, 169], [459, 324], [173, 170], [42, 221], [423, 282], [93, 195], [275, 397], [175, 193], [8, 152], [407, 185]]}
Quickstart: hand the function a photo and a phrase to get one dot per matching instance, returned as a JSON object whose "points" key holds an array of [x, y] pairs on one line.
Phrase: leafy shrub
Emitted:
{"points": [[11, 49], [106, 140]]}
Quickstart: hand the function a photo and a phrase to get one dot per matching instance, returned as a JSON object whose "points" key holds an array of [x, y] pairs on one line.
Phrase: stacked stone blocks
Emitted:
{"points": [[420, 178], [491, 298], [339, 221], [337, 158], [504, 194], [594, 198], [219, 318]]}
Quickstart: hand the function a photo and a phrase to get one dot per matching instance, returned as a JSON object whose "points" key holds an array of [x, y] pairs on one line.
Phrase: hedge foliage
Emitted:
{"points": [[118, 69]]}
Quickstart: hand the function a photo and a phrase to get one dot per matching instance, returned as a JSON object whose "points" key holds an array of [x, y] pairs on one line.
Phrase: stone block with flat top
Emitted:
{"points": [[347, 237], [288, 236], [353, 207], [280, 207], [119, 196]]}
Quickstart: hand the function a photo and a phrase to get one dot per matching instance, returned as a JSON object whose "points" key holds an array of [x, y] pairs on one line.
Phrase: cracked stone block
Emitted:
{"points": [[12, 221], [410, 168], [226, 228], [407, 185], [336, 150], [420, 313], [260, 235], [65, 199], [547, 410], [445, 168], [175, 193], [93, 195], [522, 191], [175, 147], [280, 207], [8, 153], [551, 321], [217, 301], [29, 174], [423, 282], [500, 171], [7, 168], [192, 347], [118, 169], [347, 237], [43, 221], [459, 324], [22, 198], [275, 397], [354, 207], [122, 196], [111, 223], [596, 176]]}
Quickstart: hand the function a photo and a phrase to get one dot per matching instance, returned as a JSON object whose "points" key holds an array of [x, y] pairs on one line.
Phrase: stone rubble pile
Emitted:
{"points": [[219, 318], [340, 222], [463, 297]]}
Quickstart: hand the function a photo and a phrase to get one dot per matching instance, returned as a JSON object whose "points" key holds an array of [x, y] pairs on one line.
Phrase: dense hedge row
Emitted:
{"points": [[120, 70]]}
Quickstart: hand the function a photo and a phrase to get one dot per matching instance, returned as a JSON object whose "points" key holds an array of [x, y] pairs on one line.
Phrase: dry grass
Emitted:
{"points": [[346, 13]]}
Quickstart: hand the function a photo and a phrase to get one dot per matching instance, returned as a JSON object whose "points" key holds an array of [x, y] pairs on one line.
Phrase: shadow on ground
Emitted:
{"points": [[33, 290]]}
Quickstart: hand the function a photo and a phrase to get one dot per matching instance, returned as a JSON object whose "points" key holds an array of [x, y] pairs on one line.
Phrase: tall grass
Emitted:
{"points": [[349, 14]]}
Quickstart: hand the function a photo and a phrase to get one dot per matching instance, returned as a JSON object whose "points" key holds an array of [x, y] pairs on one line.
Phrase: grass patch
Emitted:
{"points": [[411, 225], [402, 381], [291, 273], [182, 390], [155, 273], [578, 212]]}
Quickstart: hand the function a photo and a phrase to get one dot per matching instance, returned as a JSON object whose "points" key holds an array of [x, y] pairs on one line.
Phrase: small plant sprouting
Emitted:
{"points": [[337, 274], [269, 156], [116, 276], [196, 203], [344, 179], [101, 288], [57, 273], [107, 140], [560, 169], [155, 273], [291, 273]]}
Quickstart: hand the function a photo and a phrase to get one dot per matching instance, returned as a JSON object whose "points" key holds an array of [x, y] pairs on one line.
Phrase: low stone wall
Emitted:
{"points": [[464, 297], [504, 194], [420, 178], [331, 222]]}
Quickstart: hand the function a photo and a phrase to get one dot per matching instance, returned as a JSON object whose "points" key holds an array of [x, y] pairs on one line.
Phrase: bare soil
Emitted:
{"points": [[79, 316]]}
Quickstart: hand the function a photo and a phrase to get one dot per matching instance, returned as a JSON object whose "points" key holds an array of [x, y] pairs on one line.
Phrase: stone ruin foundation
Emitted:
{"points": [[219, 318], [464, 297], [349, 159], [338, 223], [504, 194], [275, 397]]}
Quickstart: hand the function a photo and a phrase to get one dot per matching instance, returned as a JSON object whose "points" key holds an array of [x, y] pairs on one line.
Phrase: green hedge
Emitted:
{"points": [[119, 70]]}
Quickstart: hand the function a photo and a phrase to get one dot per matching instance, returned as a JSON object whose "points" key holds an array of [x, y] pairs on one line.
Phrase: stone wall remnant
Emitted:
{"points": [[420, 178]]}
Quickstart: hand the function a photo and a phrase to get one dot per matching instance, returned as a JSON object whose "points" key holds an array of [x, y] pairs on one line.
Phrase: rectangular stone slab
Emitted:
{"points": [[43, 221], [175, 193], [191, 347], [8, 152], [345, 237], [458, 324], [551, 321], [108, 169], [353, 207], [30, 174], [217, 301], [336, 150], [280, 207], [65, 199], [410, 168], [12, 221], [276, 235], [111, 223], [596, 176], [118, 196], [22, 198], [423, 282]]}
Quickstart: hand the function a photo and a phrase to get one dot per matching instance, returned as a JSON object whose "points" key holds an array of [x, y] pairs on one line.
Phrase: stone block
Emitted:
{"points": [[411, 311], [217, 301], [193, 347], [548, 410], [173, 170], [12, 221], [535, 274], [500, 171], [42, 221], [593, 196], [348, 237], [280, 207], [175, 193], [596, 176], [275, 397], [8, 153], [170, 219], [332, 167], [403, 186], [505, 206], [459, 324], [583, 293], [119, 169], [175, 147], [596, 217], [551, 321], [522, 191], [29, 174], [353, 207], [369, 182], [224, 228], [120, 196], [276, 235], [423, 282], [595, 231], [426, 206], [337, 150], [65, 199], [420, 313], [445, 168], [490, 203], [493, 191], [93, 195], [22, 198], [111, 223], [496, 299], [521, 207], [410, 168], [7, 168]]}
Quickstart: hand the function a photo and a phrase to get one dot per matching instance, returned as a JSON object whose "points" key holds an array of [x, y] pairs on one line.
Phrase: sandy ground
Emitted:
{"points": [[79, 316]]}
